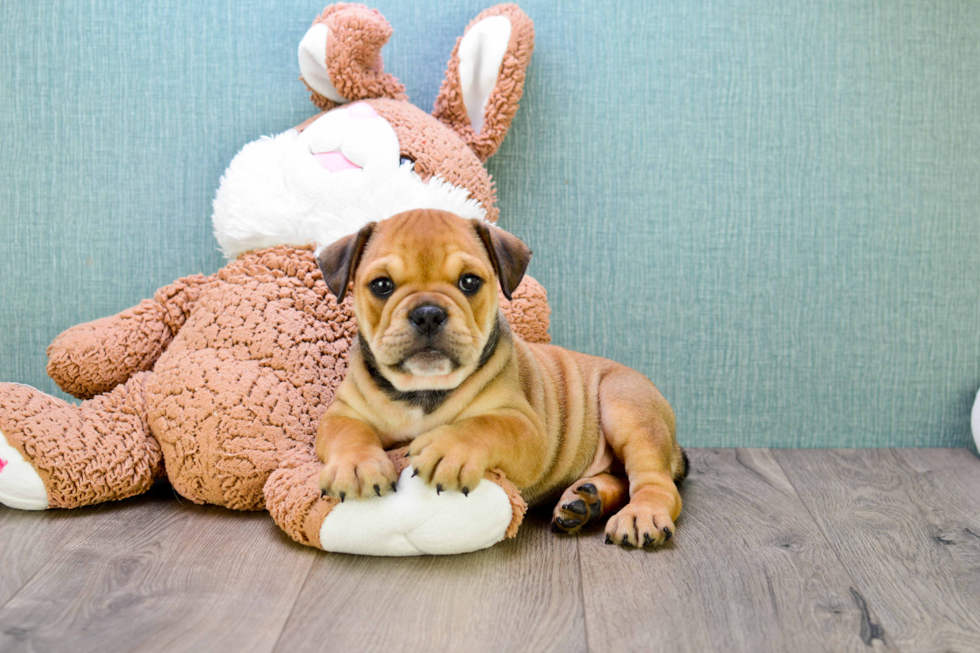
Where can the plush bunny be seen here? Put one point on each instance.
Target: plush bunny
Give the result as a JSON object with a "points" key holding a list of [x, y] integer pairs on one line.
{"points": [[219, 381]]}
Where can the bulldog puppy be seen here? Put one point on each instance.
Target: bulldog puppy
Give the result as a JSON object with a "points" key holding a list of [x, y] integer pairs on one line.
{"points": [[437, 367]]}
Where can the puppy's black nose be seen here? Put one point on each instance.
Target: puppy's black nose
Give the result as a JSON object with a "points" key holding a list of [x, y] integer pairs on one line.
{"points": [[427, 318]]}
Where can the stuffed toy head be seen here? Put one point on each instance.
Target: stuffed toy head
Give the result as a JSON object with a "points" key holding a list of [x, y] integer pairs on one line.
{"points": [[218, 382], [371, 154]]}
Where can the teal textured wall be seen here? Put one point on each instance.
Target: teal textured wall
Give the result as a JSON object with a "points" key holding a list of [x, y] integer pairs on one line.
{"points": [[769, 207]]}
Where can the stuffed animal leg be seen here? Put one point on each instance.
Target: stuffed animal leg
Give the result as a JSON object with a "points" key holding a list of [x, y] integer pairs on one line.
{"points": [[57, 455], [415, 520]]}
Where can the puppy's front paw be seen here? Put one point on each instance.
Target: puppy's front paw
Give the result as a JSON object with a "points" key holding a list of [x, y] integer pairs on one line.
{"points": [[358, 475], [445, 459], [639, 524]]}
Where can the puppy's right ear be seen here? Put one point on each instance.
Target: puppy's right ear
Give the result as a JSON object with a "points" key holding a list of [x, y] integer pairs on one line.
{"points": [[338, 261], [508, 255]]}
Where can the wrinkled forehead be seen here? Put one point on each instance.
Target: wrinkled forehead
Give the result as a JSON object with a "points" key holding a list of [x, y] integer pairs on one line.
{"points": [[427, 241]]}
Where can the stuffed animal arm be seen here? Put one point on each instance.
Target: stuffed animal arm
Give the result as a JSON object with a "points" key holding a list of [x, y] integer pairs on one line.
{"points": [[95, 357]]}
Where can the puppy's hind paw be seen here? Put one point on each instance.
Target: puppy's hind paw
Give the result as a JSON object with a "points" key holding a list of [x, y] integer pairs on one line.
{"points": [[579, 506]]}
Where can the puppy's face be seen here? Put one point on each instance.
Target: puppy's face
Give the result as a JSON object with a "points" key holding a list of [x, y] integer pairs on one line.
{"points": [[425, 293]]}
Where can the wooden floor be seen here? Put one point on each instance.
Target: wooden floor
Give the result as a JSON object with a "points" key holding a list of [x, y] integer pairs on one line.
{"points": [[777, 550]]}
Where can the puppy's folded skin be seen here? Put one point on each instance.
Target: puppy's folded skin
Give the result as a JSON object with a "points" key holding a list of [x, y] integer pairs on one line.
{"points": [[437, 367]]}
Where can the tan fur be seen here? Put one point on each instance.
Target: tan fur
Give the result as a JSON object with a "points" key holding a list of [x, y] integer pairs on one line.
{"points": [[539, 413]]}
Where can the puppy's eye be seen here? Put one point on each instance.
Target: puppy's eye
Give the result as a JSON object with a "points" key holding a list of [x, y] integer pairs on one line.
{"points": [[406, 159], [382, 286], [470, 283]]}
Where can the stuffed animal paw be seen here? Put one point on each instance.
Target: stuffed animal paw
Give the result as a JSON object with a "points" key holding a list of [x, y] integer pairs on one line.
{"points": [[21, 486], [418, 519]]}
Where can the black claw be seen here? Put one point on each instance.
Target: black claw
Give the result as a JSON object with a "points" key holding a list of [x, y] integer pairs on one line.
{"points": [[377, 489], [323, 493], [568, 523], [408, 454], [609, 539], [343, 495], [555, 528], [394, 488], [415, 473], [667, 534], [466, 492], [626, 540], [439, 488], [647, 541], [588, 488], [578, 507]]}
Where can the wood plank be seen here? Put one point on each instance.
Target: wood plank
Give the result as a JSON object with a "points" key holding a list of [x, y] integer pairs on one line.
{"points": [[519, 595], [748, 570], [904, 524], [29, 539], [158, 575]]}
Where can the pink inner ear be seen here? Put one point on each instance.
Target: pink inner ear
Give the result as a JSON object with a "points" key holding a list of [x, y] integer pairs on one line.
{"points": [[3, 463]]}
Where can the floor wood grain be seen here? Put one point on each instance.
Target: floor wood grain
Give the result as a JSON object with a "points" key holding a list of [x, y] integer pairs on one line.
{"points": [[776, 551], [152, 574], [747, 571], [905, 525], [27, 542], [521, 595]]}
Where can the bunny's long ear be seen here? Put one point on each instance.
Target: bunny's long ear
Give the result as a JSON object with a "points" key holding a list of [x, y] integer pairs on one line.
{"points": [[485, 77], [340, 57]]}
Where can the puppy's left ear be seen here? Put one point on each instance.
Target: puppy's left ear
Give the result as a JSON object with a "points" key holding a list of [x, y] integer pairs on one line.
{"points": [[508, 254], [485, 78], [338, 261]]}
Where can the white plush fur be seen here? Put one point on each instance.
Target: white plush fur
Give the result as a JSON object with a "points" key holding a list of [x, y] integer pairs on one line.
{"points": [[20, 485], [417, 521], [275, 193], [481, 52]]}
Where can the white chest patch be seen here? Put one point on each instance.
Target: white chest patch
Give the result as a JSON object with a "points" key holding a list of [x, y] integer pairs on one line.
{"points": [[426, 364]]}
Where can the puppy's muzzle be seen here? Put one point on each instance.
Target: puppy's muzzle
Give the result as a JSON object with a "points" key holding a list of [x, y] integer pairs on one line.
{"points": [[428, 319]]}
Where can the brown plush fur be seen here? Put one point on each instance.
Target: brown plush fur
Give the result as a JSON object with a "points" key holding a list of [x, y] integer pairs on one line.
{"points": [[355, 38], [86, 454], [137, 335], [234, 395], [467, 396]]}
